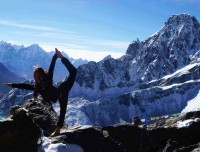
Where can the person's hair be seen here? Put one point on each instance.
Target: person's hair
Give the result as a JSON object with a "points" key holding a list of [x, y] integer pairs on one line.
{"points": [[44, 76], [41, 71]]}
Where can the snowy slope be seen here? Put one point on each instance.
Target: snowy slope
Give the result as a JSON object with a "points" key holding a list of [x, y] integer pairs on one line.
{"points": [[145, 103], [193, 105], [7, 76], [14, 97]]}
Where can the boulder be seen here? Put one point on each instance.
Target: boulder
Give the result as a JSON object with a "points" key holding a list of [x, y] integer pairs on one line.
{"points": [[19, 133], [21, 130], [42, 114], [91, 139]]}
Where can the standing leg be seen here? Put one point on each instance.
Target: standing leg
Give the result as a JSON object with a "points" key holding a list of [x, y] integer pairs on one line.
{"points": [[63, 107], [64, 89]]}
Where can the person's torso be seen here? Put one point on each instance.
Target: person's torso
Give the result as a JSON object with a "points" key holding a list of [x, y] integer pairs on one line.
{"points": [[48, 91]]}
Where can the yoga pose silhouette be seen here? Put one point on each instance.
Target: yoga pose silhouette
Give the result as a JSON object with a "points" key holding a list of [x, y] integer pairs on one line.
{"points": [[43, 84]]}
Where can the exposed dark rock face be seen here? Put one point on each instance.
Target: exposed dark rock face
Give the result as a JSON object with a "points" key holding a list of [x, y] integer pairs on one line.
{"points": [[93, 139], [20, 133], [42, 114], [132, 137], [183, 137]]}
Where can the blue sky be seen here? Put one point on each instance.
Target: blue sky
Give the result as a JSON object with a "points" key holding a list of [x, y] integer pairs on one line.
{"points": [[88, 29]]}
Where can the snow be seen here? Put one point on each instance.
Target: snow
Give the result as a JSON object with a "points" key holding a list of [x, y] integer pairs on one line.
{"points": [[179, 84], [193, 105], [181, 71], [187, 123], [48, 146]]}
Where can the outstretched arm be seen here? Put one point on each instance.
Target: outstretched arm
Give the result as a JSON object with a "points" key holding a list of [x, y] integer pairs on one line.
{"points": [[20, 86], [52, 65]]}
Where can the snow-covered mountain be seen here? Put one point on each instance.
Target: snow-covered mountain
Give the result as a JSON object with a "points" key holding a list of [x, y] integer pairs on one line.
{"points": [[7, 76], [155, 77], [14, 97], [164, 96], [21, 60], [163, 53]]}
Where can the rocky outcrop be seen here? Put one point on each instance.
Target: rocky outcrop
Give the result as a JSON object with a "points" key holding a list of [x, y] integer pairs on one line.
{"points": [[42, 113], [21, 131], [128, 138]]}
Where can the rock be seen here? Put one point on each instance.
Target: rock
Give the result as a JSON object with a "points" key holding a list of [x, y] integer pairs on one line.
{"points": [[181, 139], [136, 121], [42, 114], [197, 149], [171, 146], [132, 137], [19, 133], [119, 138], [21, 130], [191, 115], [59, 139], [92, 139]]}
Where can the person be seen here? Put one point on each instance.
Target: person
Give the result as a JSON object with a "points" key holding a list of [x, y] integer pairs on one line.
{"points": [[43, 85]]}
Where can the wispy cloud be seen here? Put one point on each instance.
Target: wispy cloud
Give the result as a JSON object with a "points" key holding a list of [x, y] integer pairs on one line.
{"points": [[79, 51], [71, 40], [78, 45], [111, 43], [32, 27]]}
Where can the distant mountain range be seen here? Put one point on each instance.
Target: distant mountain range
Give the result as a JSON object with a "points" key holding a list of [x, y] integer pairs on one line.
{"points": [[155, 77], [20, 60]]}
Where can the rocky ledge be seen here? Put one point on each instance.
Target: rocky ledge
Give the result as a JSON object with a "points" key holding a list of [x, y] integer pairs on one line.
{"points": [[22, 131]]}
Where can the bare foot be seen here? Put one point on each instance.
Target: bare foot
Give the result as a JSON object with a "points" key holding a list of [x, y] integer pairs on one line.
{"points": [[56, 132], [58, 53]]}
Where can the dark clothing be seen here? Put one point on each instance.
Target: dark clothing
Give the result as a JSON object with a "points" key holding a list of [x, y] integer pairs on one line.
{"points": [[52, 93]]}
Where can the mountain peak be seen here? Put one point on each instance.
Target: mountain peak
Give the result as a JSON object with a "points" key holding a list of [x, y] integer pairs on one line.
{"points": [[34, 46], [182, 18], [107, 57], [3, 42], [133, 47]]}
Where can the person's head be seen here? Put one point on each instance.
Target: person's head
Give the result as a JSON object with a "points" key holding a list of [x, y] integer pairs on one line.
{"points": [[39, 73]]}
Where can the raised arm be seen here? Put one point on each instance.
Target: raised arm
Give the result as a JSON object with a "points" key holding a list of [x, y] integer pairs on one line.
{"points": [[72, 70], [51, 67]]}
